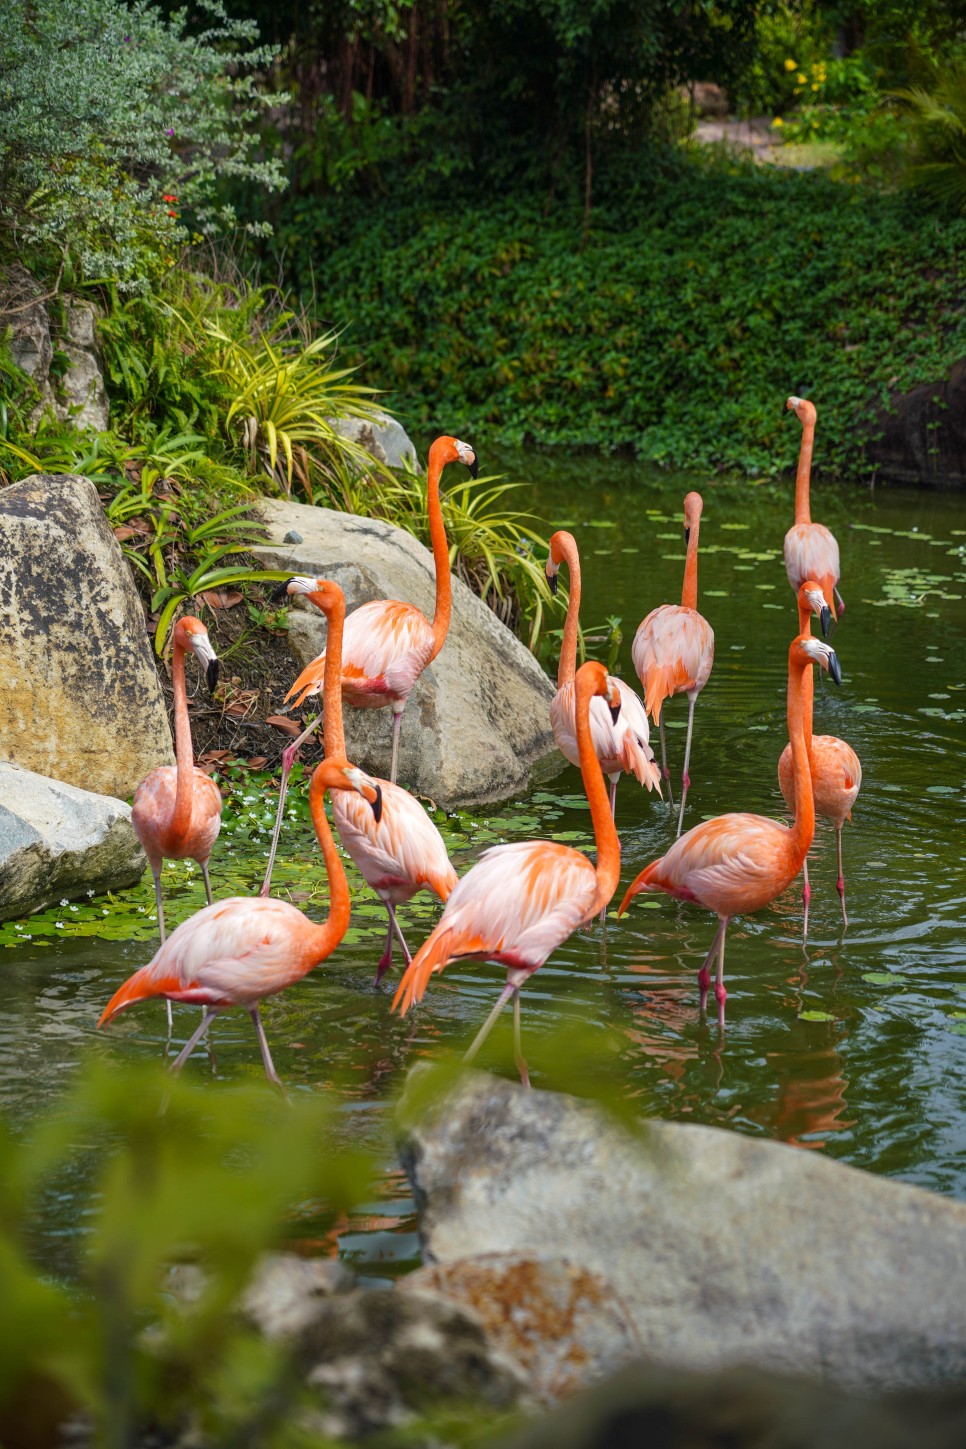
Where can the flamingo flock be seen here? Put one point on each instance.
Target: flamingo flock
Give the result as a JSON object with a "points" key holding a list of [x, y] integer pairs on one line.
{"points": [[521, 901]]}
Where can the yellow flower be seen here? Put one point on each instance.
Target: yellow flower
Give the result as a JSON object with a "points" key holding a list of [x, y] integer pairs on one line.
{"points": [[814, 85], [802, 79], [791, 64], [778, 121]]}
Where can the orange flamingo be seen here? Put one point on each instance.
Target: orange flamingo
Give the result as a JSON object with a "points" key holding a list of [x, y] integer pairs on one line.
{"points": [[835, 767], [176, 812], [621, 748], [388, 644], [738, 863], [520, 901], [242, 949], [811, 551], [402, 851], [673, 650]]}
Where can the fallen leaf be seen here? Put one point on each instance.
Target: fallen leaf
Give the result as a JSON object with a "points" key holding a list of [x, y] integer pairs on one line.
{"points": [[238, 710], [125, 531], [221, 598], [258, 762], [213, 757], [282, 722]]}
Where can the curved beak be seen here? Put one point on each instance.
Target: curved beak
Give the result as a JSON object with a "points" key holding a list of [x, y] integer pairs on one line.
{"points": [[281, 592], [474, 467], [201, 648], [376, 804], [687, 535], [552, 581], [834, 667], [825, 619], [211, 674], [368, 788]]}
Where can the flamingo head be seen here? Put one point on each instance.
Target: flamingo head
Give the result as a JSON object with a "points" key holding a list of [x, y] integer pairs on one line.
{"points": [[190, 633], [450, 450], [693, 506], [323, 593], [592, 678], [810, 596], [340, 775], [562, 546], [816, 651], [803, 409]]}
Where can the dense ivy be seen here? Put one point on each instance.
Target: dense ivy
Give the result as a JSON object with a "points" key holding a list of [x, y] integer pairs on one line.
{"points": [[699, 301]]}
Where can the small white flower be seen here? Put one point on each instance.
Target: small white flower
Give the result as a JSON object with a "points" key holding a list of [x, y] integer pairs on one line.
{"points": [[75, 908], [59, 925], [104, 911], [141, 909], [64, 901], [89, 894]]}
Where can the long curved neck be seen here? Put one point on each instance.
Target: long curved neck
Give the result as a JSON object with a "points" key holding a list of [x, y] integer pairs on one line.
{"points": [[333, 736], [802, 508], [808, 683], [184, 793], [567, 667], [437, 534], [804, 826], [330, 933], [689, 594], [608, 868]]}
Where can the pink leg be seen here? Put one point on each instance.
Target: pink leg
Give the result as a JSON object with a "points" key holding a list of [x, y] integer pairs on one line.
{"points": [[685, 777], [385, 960], [613, 811], [665, 772], [267, 1062], [193, 1040], [806, 897], [704, 975], [288, 760], [488, 1025], [396, 724], [840, 883], [720, 995], [518, 1056], [839, 601], [160, 908]]}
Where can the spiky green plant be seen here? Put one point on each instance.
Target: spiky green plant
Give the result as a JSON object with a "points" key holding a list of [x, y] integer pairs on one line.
{"points": [[938, 114]]}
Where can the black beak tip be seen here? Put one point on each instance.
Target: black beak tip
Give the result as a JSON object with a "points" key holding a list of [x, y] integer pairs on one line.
{"points": [[825, 619], [280, 592], [377, 805], [474, 467], [212, 675], [552, 581], [615, 712], [834, 667]]}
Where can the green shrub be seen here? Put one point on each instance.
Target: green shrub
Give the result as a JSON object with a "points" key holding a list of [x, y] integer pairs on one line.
{"points": [[936, 163]]}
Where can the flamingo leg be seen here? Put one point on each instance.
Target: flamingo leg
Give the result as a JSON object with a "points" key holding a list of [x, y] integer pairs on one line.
{"points": [[394, 920], [288, 760], [720, 994], [806, 897], [613, 811], [160, 908], [704, 975], [193, 1040], [840, 883], [267, 1062], [840, 602], [488, 1025], [685, 778], [518, 1056], [385, 960], [665, 772], [204, 872], [396, 725]]}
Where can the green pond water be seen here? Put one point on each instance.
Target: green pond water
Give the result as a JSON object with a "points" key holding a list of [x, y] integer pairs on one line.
{"points": [[856, 1048]]}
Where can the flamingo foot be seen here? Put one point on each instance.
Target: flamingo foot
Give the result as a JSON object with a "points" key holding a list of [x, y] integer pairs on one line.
{"points": [[840, 887], [385, 961], [720, 996], [288, 756]]}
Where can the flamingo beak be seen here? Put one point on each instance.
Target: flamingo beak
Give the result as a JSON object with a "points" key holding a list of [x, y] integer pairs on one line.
{"points": [[211, 674], [687, 535], [280, 592], [825, 619], [552, 581], [834, 667], [377, 804], [474, 467]]}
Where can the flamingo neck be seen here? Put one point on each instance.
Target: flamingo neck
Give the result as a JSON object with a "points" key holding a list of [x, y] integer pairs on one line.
{"points": [[437, 534], [804, 825], [333, 736], [327, 936], [689, 593], [803, 513], [184, 792], [567, 667], [808, 682], [608, 868]]}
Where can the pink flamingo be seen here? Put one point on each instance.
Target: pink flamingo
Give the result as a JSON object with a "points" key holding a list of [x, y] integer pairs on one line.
{"points": [[673, 650], [835, 767], [400, 852], [388, 644], [242, 949], [738, 863], [811, 551], [520, 901], [621, 748], [176, 812]]}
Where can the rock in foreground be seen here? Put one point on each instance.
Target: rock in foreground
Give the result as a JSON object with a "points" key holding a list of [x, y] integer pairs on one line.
{"points": [[57, 841], [79, 694], [723, 1249], [478, 718]]}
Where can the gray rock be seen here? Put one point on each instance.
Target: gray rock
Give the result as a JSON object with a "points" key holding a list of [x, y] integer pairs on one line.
{"points": [[284, 1293], [292, 537], [79, 694], [57, 841], [724, 1249], [562, 1325], [85, 402], [80, 398], [478, 718], [386, 440], [23, 311]]}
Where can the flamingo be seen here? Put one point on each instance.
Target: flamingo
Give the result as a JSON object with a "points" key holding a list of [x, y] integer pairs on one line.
{"points": [[621, 748], [740, 862], [835, 767], [388, 644], [176, 811], [397, 854], [673, 649], [242, 949], [520, 901], [811, 551]]}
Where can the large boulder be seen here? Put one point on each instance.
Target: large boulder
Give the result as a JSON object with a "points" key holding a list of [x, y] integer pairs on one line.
{"points": [[79, 694], [59, 842], [382, 437], [723, 1249], [921, 436], [478, 718]]}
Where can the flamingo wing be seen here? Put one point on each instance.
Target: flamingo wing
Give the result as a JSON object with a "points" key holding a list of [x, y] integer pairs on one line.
{"points": [[401, 852], [385, 647], [621, 747], [734, 863], [811, 552], [673, 652], [515, 906]]}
